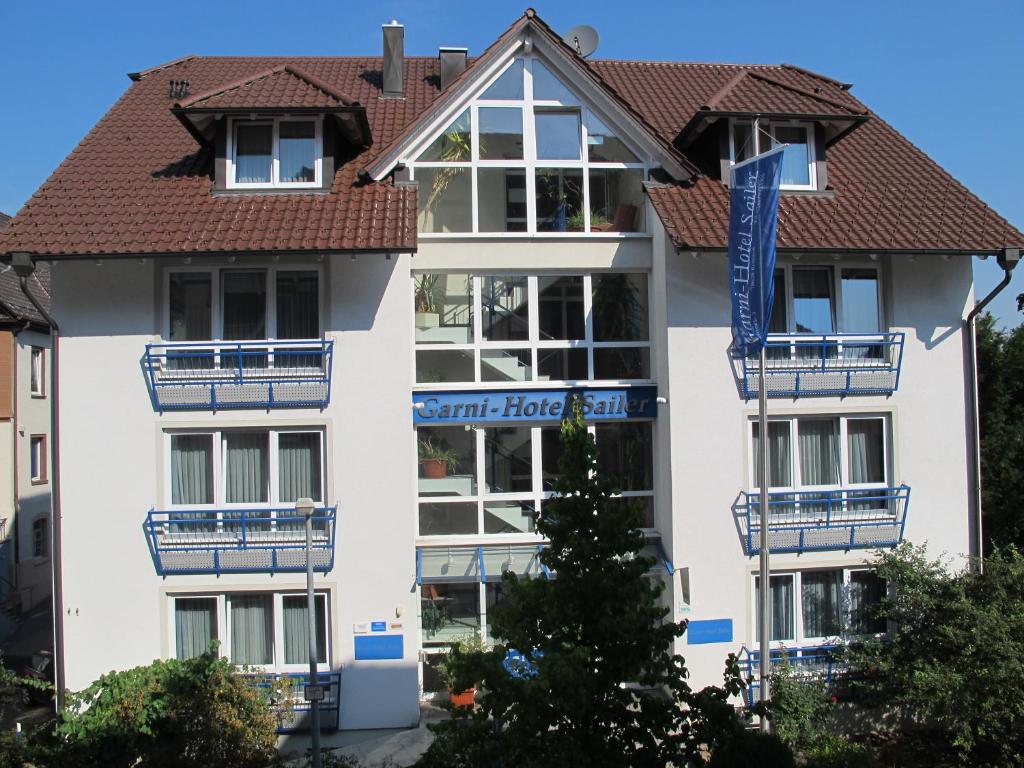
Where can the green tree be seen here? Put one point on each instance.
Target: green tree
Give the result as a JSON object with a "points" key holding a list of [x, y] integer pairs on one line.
{"points": [[603, 687], [1001, 424], [948, 673]]}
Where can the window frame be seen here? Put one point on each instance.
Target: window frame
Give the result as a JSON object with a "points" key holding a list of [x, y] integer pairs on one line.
{"points": [[275, 163], [769, 126], [41, 538], [799, 639], [37, 371], [836, 283], [38, 470], [530, 164]]}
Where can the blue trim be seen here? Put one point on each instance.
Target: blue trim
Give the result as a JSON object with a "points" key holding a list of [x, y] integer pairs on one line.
{"points": [[419, 567], [481, 568], [709, 631], [837, 516], [291, 718], [201, 376], [811, 664], [379, 647], [186, 541], [543, 568], [664, 558], [798, 363]]}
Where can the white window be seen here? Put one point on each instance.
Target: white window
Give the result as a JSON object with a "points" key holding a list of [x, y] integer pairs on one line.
{"points": [[280, 152], [519, 328], [37, 452], [815, 607], [243, 304], [40, 537], [245, 468], [38, 372], [528, 156], [493, 480], [824, 299], [266, 630], [798, 161]]}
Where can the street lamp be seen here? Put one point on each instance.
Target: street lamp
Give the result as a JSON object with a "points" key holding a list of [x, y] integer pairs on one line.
{"points": [[313, 693]]}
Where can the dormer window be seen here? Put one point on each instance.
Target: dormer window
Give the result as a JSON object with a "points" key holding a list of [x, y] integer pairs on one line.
{"points": [[798, 161], [278, 152]]}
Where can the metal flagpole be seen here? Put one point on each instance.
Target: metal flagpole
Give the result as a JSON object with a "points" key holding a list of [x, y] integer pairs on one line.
{"points": [[764, 594]]}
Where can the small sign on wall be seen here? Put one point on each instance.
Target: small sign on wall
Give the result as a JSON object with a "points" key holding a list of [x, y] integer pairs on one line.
{"points": [[378, 626]]}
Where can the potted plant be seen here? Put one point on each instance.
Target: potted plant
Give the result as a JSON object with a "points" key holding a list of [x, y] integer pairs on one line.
{"points": [[464, 646], [428, 312], [436, 460]]}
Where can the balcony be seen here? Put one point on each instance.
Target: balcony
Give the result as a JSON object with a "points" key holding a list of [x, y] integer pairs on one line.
{"points": [[293, 714], [816, 664], [807, 365], [186, 541], [191, 376], [818, 521]]}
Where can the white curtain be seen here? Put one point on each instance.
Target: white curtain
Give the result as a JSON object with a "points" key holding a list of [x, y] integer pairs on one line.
{"points": [[782, 614], [195, 625], [252, 629], [246, 477], [867, 453], [298, 457], [296, 630], [822, 603], [297, 150], [819, 451], [253, 152], [192, 469], [780, 473]]}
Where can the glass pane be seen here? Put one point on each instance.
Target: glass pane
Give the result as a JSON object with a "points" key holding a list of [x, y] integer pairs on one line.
{"points": [[447, 458], [501, 199], [778, 322], [452, 146], [620, 307], [252, 629], [506, 365], [495, 593], [625, 453], [860, 301], [444, 309], [509, 86], [616, 199], [245, 304], [505, 308], [508, 516], [299, 466], [442, 366], [501, 133], [433, 680], [550, 455], [547, 87], [445, 203], [298, 305], [821, 597], [297, 151], [438, 519], [449, 611], [191, 469], [783, 616], [508, 465], [743, 145], [603, 146], [561, 308], [866, 446], [616, 363], [295, 611], [779, 473], [246, 476], [867, 590], [559, 200], [562, 365], [796, 169], [819, 451], [253, 153], [195, 625], [190, 297], [557, 135], [812, 300]]}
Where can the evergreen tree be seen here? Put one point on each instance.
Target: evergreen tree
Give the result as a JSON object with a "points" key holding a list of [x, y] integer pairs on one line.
{"points": [[600, 685]]}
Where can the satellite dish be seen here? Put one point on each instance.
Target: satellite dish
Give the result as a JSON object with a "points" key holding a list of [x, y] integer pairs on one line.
{"points": [[582, 39]]}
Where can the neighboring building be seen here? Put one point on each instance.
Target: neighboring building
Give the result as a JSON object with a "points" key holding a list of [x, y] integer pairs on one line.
{"points": [[243, 324], [25, 567]]}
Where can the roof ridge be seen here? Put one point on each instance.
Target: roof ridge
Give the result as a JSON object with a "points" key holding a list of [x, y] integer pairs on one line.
{"points": [[135, 76], [192, 100], [319, 84], [724, 91], [817, 75], [804, 92]]}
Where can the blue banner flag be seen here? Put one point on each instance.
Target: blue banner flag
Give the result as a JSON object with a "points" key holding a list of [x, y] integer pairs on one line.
{"points": [[753, 214]]}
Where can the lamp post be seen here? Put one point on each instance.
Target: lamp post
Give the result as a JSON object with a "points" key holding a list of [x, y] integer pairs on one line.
{"points": [[313, 693]]}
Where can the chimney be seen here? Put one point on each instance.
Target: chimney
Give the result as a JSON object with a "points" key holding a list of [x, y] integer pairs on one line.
{"points": [[394, 59], [453, 64]]}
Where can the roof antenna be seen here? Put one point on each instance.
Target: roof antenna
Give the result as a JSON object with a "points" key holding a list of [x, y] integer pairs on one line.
{"points": [[583, 39]]}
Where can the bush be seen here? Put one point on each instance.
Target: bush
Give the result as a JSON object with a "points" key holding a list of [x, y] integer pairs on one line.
{"points": [[837, 752], [799, 710], [752, 749]]}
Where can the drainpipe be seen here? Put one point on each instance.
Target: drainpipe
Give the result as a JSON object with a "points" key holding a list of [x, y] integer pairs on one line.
{"points": [[1007, 260], [24, 266]]}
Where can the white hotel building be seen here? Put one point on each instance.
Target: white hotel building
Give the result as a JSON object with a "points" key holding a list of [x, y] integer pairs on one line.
{"points": [[374, 281]]}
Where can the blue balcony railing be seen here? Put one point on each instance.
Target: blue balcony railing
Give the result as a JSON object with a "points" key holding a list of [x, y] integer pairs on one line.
{"points": [[838, 364], [809, 521], [815, 664], [198, 376], [293, 713], [230, 540]]}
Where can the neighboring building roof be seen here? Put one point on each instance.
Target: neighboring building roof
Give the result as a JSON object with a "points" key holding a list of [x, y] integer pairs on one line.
{"points": [[140, 183]]}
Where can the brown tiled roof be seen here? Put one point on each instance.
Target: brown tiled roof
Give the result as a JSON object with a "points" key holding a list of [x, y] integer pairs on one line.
{"points": [[139, 183], [14, 304]]}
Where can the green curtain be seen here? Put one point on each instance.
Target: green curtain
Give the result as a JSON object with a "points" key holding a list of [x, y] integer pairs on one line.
{"points": [[192, 469], [195, 625], [299, 473], [252, 629], [296, 630], [247, 460]]}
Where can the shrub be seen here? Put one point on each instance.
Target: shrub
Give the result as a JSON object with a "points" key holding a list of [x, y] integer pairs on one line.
{"points": [[752, 749], [800, 708]]}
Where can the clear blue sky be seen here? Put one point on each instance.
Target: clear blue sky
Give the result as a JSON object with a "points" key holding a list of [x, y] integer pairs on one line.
{"points": [[949, 74]]}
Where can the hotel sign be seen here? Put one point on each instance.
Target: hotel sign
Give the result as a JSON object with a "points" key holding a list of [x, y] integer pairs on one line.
{"points": [[489, 406]]}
